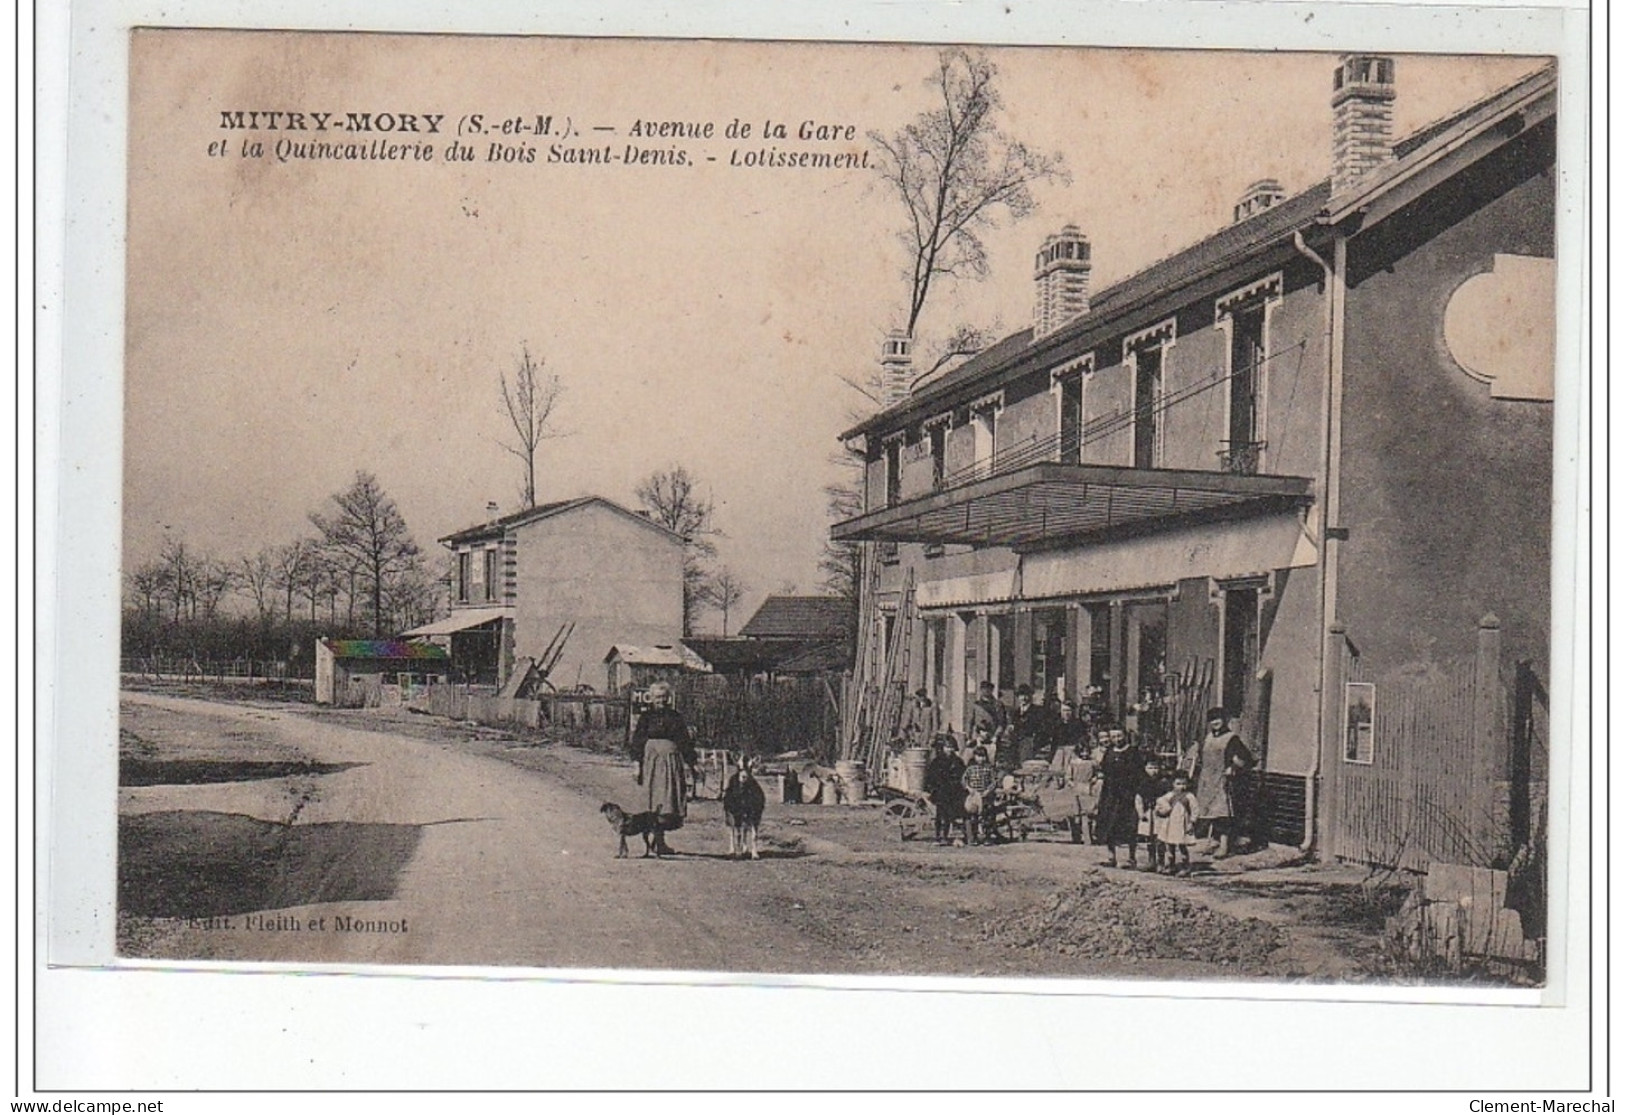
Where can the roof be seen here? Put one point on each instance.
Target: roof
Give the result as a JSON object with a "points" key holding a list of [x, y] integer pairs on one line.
{"points": [[732, 653], [497, 527], [658, 655], [1229, 245], [461, 619], [816, 658], [384, 648], [799, 617]]}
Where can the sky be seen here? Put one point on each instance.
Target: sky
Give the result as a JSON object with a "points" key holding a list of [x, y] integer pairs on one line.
{"points": [[291, 323]]}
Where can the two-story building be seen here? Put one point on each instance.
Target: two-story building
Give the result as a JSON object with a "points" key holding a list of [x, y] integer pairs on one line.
{"points": [[606, 574], [1312, 447]]}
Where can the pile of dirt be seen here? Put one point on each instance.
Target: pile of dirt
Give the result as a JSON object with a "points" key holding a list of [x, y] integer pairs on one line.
{"points": [[1102, 919]]}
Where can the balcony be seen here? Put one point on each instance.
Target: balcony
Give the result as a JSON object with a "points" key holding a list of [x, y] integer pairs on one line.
{"points": [[1242, 458], [1029, 504]]}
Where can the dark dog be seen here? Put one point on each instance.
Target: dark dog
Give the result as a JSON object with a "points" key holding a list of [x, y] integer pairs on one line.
{"points": [[646, 825], [742, 805]]}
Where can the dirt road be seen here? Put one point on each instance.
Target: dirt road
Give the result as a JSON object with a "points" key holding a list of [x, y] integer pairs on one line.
{"points": [[266, 833]]}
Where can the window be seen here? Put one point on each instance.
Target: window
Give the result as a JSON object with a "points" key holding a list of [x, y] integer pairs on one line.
{"points": [[985, 424], [894, 472], [1243, 447], [464, 560], [1359, 722], [938, 435], [1071, 386], [491, 574], [1244, 316], [1147, 406]]}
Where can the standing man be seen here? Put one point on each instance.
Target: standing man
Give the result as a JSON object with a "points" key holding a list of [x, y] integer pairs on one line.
{"points": [[1032, 731], [987, 713], [921, 724]]}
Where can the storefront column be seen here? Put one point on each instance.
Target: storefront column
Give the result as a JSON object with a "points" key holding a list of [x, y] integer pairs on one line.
{"points": [[1024, 646], [1117, 700], [1078, 644]]}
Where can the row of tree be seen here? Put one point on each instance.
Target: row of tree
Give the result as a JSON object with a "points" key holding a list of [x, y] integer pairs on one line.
{"points": [[359, 573]]}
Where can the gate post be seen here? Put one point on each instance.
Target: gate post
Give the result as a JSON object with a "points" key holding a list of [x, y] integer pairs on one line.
{"points": [[1489, 745], [1325, 795]]}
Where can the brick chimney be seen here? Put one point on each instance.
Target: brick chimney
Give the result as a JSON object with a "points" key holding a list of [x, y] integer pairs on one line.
{"points": [[896, 367], [1259, 197], [1362, 118], [1061, 276]]}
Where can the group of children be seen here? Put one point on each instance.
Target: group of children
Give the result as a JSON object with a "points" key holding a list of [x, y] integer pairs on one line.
{"points": [[1167, 819]]}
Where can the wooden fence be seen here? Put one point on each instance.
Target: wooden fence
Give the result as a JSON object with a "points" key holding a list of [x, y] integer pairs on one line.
{"points": [[761, 716], [562, 710], [1428, 768]]}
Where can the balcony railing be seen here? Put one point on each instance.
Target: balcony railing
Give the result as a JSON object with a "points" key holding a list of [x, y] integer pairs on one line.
{"points": [[1066, 446], [1242, 457]]}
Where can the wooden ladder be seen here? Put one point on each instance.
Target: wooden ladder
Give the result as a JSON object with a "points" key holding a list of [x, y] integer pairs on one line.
{"points": [[888, 704]]}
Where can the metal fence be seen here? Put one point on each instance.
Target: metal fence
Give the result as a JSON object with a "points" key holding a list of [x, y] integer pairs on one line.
{"points": [[195, 669]]}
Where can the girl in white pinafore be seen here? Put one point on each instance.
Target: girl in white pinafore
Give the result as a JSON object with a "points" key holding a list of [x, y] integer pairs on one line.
{"points": [[1175, 824]]}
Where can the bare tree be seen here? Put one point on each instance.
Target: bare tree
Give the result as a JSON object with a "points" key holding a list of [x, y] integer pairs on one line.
{"points": [[292, 561], [965, 341], [842, 562], [147, 587], [213, 581], [956, 174], [723, 591], [366, 530], [529, 403], [257, 575], [672, 498]]}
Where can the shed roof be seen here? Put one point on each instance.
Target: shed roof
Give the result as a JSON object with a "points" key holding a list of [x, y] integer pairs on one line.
{"points": [[798, 617], [384, 648], [660, 654]]}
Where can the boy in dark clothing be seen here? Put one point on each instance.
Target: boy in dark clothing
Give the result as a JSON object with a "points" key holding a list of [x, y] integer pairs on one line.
{"points": [[944, 776]]}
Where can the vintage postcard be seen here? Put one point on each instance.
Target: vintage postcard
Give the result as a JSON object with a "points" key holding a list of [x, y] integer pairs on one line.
{"points": [[838, 509]]}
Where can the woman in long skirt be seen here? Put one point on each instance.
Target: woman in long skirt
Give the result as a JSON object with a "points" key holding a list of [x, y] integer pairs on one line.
{"points": [[1221, 760], [665, 754]]}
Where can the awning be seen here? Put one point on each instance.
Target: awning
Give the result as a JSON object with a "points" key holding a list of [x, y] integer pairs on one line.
{"points": [[1219, 551], [1052, 501], [460, 621]]}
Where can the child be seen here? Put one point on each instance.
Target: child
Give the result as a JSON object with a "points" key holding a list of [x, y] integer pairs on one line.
{"points": [[1150, 789], [1176, 820], [980, 782]]}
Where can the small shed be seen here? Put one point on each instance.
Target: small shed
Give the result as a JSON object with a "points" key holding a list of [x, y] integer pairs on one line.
{"points": [[640, 666], [366, 673]]}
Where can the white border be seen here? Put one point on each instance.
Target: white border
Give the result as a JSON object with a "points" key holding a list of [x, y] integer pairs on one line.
{"points": [[498, 1029]]}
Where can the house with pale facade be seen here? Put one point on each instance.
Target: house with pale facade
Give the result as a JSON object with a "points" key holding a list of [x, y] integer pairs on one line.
{"points": [[1301, 469], [597, 572]]}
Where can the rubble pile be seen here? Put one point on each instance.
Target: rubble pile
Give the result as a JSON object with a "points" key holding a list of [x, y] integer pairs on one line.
{"points": [[1101, 919]]}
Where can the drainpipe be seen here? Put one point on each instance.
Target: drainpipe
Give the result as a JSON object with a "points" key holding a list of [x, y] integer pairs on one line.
{"points": [[1326, 498]]}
